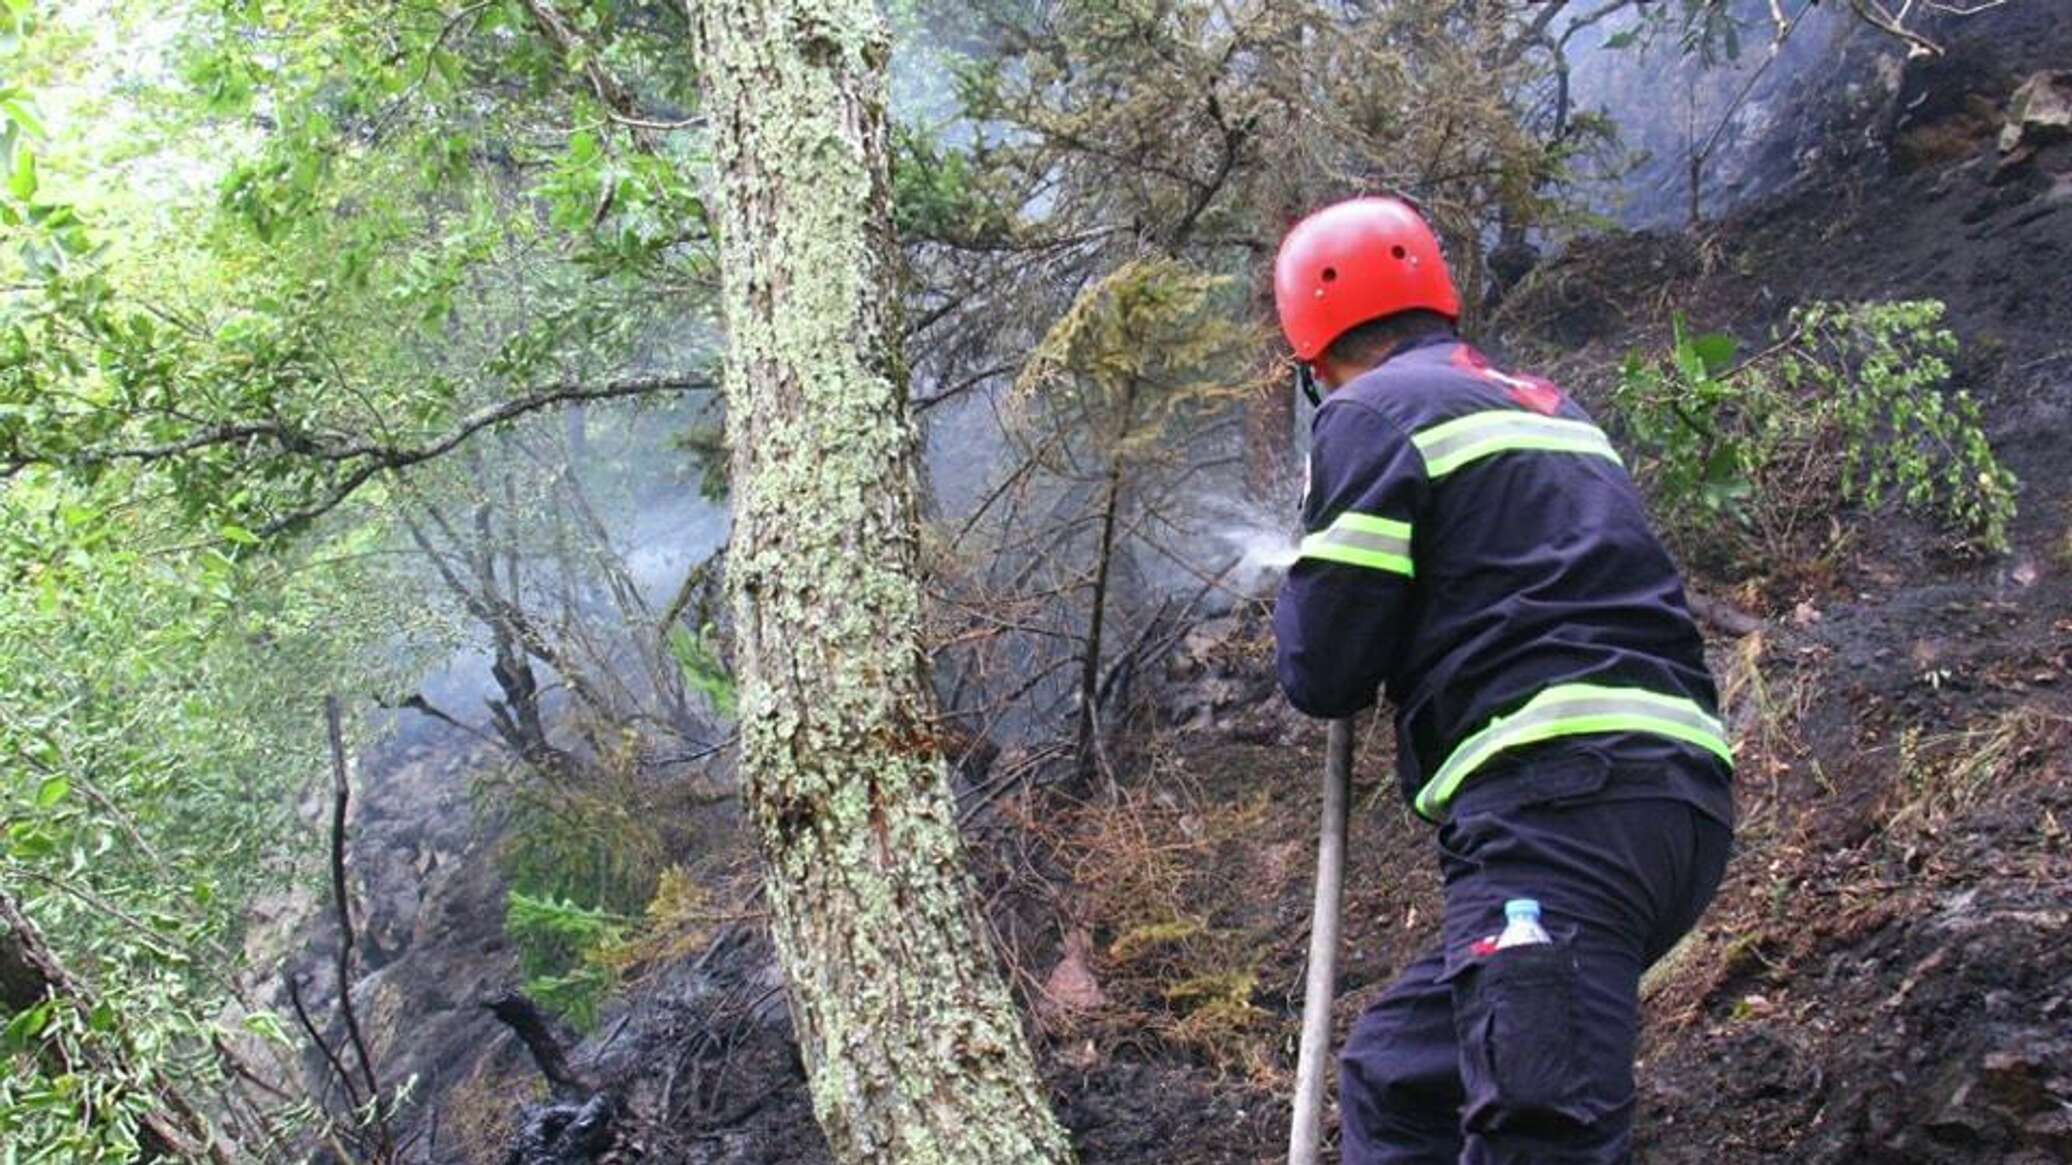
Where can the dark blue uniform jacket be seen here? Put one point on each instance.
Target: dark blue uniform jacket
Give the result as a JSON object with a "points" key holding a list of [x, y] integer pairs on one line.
{"points": [[1474, 548]]}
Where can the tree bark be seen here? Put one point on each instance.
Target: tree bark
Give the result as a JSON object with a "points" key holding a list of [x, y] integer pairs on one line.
{"points": [[909, 1037], [549, 1053]]}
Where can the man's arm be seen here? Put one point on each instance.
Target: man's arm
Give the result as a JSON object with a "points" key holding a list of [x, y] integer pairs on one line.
{"points": [[1337, 623]]}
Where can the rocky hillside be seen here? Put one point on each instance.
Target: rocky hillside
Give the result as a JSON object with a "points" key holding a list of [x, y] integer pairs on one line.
{"points": [[1884, 976]]}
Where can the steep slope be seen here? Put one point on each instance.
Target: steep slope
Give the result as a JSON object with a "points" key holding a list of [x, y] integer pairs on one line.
{"points": [[1883, 977]]}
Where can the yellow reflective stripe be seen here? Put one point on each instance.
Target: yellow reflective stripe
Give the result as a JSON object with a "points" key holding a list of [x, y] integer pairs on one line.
{"points": [[1574, 710], [1358, 539], [1449, 446], [1370, 524]]}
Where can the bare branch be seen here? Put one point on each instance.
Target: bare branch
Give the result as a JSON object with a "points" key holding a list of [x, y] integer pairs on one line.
{"points": [[341, 791], [1876, 15], [367, 457], [381, 458], [962, 387], [549, 1053]]}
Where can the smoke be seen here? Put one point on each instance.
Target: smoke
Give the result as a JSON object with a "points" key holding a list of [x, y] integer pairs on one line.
{"points": [[589, 520], [1742, 103]]}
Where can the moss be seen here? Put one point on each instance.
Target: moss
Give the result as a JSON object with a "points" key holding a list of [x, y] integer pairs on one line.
{"points": [[1140, 940]]}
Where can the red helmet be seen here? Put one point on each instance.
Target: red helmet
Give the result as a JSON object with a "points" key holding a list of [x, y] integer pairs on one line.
{"points": [[1355, 261]]}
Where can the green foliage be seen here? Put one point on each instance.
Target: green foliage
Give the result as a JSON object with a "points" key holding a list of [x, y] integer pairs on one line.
{"points": [[157, 716], [1704, 29], [583, 862], [561, 949], [212, 321], [1703, 434], [599, 845], [1198, 130], [939, 193], [1849, 405], [704, 672], [1140, 354], [1903, 434], [336, 307], [71, 1116]]}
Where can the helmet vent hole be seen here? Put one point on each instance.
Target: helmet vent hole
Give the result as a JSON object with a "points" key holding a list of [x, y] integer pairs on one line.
{"points": [[1330, 274], [1398, 251]]}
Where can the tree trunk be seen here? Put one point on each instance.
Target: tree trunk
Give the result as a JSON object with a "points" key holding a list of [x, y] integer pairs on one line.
{"points": [[908, 1034]]}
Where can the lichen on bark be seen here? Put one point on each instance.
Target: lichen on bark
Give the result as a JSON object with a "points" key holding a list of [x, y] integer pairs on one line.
{"points": [[910, 1039]]}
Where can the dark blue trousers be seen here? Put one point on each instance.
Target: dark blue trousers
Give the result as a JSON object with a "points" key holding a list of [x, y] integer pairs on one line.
{"points": [[1526, 1054]]}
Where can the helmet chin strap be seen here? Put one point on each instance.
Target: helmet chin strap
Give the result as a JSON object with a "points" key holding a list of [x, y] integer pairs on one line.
{"points": [[1306, 380]]}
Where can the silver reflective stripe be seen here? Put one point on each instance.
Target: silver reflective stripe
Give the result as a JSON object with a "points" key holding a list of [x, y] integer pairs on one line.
{"points": [[1573, 710], [1363, 540], [1449, 446]]}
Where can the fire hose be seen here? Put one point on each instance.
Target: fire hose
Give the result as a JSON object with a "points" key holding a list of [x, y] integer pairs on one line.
{"points": [[1306, 1130]]}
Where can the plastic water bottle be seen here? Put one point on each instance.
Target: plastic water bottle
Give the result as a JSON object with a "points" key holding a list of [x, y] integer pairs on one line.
{"points": [[1522, 924]]}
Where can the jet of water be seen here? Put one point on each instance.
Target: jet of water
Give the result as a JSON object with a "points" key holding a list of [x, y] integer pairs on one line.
{"points": [[1261, 549]]}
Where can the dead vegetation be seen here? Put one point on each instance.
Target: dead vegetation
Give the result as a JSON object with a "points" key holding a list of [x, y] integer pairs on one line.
{"points": [[479, 1116], [1173, 890]]}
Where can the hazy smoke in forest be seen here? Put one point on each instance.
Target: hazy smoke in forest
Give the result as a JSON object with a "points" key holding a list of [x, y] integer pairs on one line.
{"points": [[1666, 103], [1662, 102]]}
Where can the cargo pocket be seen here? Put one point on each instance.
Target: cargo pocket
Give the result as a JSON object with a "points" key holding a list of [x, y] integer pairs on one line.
{"points": [[1515, 1012]]}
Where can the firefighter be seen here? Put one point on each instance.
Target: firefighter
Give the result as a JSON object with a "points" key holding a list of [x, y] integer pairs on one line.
{"points": [[1475, 550]]}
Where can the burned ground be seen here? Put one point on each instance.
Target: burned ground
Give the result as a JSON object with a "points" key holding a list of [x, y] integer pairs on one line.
{"points": [[1883, 977]]}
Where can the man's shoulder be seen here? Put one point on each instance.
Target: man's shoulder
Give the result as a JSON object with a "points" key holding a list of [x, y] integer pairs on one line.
{"points": [[1432, 385]]}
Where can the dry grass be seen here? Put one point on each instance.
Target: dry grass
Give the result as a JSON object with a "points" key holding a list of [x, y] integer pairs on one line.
{"points": [[480, 1114], [1177, 891], [1945, 776], [1764, 702], [676, 924], [1930, 790]]}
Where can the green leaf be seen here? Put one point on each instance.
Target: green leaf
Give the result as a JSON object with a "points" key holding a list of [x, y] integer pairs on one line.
{"points": [[52, 791], [239, 535], [20, 114], [30, 843], [266, 1026], [24, 1028], [22, 183], [1716, 350]]}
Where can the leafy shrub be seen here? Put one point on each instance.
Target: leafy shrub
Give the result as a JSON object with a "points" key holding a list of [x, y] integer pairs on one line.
{"points": [[1850, 404], [600, 845], [559, 953], [582, 861], [704, 672]]}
